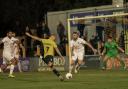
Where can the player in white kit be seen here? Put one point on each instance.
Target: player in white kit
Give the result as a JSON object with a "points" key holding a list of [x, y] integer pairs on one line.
{"points": [[8, 57], [77, 48]]}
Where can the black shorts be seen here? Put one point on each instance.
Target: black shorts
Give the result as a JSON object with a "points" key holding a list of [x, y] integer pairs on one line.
{"points": [[48, 58]]}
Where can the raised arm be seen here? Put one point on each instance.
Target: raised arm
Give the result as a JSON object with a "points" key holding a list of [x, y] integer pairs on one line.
{"points": [[33, 37]]}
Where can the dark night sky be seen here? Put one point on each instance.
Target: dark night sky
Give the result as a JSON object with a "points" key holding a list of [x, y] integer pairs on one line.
{"points": [[32, 11]]}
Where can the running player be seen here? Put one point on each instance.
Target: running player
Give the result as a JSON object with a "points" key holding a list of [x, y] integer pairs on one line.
{"points": [[49, 46], [8, 57], [111, 50], [77, 48]]}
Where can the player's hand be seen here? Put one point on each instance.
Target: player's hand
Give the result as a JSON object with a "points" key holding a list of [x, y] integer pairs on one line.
{"points": [[95, 51], [62, 58], [102, 54], [28, 34]]}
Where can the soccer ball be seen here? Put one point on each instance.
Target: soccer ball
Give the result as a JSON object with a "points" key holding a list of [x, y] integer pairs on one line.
{"points": [[68, 75]]}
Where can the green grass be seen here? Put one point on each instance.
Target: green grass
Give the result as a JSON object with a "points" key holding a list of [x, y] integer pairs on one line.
{"points": [[86, 79]]}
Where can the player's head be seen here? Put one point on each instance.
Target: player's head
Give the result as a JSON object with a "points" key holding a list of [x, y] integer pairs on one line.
{"points": [[75, 35], [52, 37], [13, 34], [109, 39], [9, 34]]}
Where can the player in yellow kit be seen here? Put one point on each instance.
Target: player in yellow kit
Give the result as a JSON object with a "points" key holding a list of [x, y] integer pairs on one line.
{"points": [[49, 46]]}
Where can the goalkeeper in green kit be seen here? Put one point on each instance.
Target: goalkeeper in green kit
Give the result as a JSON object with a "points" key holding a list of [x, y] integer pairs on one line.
{"points": [[111, 51]]}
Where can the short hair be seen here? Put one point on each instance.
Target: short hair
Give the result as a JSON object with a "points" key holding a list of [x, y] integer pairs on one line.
{"points": [[9, 31], [76, 33], [109, 37]]}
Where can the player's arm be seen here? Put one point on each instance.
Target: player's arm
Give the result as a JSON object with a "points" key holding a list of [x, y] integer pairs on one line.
{"points": [[119, 48], [104, 51], [59, 53], [90, 46], [33, 37], [2, 41]]}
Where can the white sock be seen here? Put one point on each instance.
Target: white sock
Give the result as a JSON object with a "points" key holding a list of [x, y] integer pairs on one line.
{"points": [[77, 66], [70, 70], [19, 67], [8, 67], [0, 70], [11, 69]]}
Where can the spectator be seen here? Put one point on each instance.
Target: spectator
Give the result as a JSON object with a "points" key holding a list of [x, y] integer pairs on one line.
{"points": [[38, 28], [94, 41], [18, 28], [43, 30], [100, 47], [99, 30], [63, 45], [60, 31], [80, 27]]}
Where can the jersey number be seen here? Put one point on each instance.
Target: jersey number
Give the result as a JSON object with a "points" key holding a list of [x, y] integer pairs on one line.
{"points": [[47, 48]]}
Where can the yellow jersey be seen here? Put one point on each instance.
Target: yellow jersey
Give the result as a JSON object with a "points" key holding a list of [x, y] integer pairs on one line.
{"points": [[49, 46]]}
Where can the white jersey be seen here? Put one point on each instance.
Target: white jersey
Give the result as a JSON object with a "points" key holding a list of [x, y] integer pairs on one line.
{"points": [[78, 45], [8, 44], [8, 52]]}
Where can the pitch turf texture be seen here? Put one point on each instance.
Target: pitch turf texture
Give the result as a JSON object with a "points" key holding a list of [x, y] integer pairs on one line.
{"points": [[86, 79]]}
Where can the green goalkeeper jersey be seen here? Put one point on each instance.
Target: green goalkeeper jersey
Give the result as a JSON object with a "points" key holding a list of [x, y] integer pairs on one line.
{"points": [[111, 49]]}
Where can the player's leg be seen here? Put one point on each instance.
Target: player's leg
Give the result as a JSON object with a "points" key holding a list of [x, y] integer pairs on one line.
{"points": [[80, 61], [126, 63], [102, 65], [4, 64], [109, 63], [120, 60], [18, 63], [12, 63], [49, 61], [77, 66], [1, 70], [72, 63], [19, 66], [3, 67], [71, 66], [105, 61]]}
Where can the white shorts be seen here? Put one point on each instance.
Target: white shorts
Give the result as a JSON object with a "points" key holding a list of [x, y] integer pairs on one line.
{"points": [[78, 55], [7, 57]]}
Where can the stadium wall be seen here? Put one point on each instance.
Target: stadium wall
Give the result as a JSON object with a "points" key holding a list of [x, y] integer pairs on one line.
{"points": [[36, 64]]}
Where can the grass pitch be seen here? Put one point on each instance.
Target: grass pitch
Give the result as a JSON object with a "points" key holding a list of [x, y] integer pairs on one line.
{"points": [[86, 79]]}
